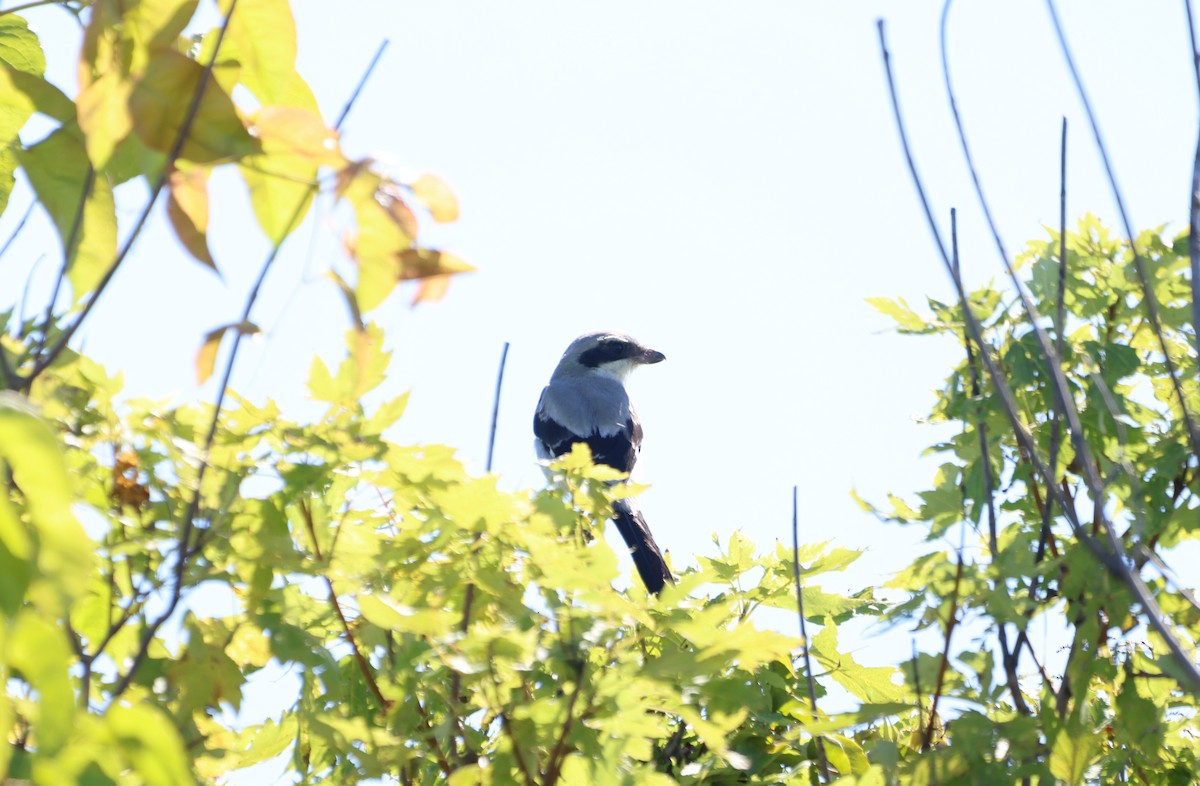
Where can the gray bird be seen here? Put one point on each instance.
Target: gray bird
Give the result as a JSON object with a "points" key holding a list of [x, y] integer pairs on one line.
{"points": [[586, 402]]}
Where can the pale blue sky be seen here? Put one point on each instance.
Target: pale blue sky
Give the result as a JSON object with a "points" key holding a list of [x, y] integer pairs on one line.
{"points": [[723, 181]]}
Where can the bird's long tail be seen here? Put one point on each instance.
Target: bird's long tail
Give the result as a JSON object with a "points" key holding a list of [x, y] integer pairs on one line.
{"points": [[646, 557]]}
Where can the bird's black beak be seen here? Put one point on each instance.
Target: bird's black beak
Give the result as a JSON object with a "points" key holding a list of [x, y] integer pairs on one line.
{"points": [[652, 356]]}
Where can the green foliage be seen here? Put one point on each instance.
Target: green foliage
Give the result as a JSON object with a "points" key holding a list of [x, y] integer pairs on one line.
{"points": [[1111, 708], [440, 627]]}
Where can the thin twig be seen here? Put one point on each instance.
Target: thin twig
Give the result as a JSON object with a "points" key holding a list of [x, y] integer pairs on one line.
{"points": [[1194, 213], [193, 507], [469, 592], [1060, 329], [49, 356], [72, 241], [558, 754], [822, 761], [33, 4], [17, 230], [1139, 264], [1007, 654], [917, 685], [506, 725], [951, 622], [491, 447], [1111, 556]]}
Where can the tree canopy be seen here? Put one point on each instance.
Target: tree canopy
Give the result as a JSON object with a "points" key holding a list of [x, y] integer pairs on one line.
{"points": [[442, 629]]}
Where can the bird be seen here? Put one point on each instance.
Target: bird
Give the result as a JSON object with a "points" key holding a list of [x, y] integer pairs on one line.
{"points": [[586, 402]]}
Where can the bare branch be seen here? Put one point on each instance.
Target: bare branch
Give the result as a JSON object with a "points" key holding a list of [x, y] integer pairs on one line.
{"points": [[1008, 656], [1139, 264], [1194, 212], [72, 241], [1111, 557], [808, 670], [951, 622]]}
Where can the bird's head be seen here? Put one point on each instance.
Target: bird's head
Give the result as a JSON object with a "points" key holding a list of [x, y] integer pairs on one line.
{"points": [[608, 353]]}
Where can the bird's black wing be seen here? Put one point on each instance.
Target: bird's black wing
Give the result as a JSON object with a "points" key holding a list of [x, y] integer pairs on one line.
{"points": [[618, 450]]}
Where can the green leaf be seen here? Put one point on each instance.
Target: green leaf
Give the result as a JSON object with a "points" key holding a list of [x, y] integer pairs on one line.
{"points": [[60, 172], [377, 241], [268, 62], [16, 559], [866, 683], [31, 451], [8, 166], [37, 649], [1072, 754], [906, 319], [282, 179], [104, 114], [148, 739], [19, 46], [160, 102]]}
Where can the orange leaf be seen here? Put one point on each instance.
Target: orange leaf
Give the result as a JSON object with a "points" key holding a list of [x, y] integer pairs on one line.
{"points": [[400, 212], [206, 358], [298, 132], [425, 262], [437, 197], [187, 208], [431, 289]]}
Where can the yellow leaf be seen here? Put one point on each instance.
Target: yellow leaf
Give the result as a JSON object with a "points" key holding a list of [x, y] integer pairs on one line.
{"points": [[103, 108], [437, 197], [206, 358], [400, 212], [377, 239], [187, 208], [282, 179], [262, 36]]}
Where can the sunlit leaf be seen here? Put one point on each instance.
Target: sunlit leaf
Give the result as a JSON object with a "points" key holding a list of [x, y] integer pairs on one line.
{"points": [[867, 683], [148, 739], [60, 173], [1072, 754], [268, 62], [19, 46], [206, 358], [436, 196], [187, 209], [431, 289], [425, 262], [399, 210], [160, 102], [38, 650], [104, 114], [282, 178]]}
